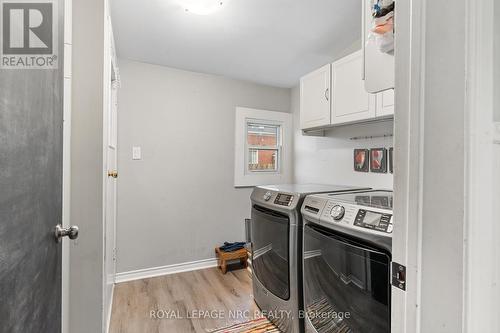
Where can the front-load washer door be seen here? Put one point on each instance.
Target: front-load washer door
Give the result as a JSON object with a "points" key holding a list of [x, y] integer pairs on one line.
{"points": [[270, 250], [346, 284]]}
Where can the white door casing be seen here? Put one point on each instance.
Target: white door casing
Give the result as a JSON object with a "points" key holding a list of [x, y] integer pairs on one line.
{"points": [[408, 162]]}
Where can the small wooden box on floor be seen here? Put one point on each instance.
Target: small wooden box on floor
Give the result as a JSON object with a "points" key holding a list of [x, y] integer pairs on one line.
{"points": [[223, 258]]}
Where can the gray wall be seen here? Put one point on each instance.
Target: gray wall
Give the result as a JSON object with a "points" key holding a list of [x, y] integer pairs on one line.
{"points": [[178, 202], [86, 254]]}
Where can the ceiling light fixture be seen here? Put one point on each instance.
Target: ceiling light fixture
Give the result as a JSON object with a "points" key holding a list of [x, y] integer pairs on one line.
{"points": [[202, 7]]}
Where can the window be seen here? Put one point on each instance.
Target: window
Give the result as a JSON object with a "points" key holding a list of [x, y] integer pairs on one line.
{"points": [[262, 147]]}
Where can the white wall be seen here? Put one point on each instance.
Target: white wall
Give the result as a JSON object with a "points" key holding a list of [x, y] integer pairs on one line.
{"points": [[329, 159], [178, 202], [443, 168]]}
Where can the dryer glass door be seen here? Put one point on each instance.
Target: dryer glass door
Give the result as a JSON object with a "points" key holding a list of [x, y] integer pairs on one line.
{"points": [[346, 284], [270, 250]]}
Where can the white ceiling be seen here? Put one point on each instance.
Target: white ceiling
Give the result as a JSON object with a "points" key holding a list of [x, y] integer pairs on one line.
{"points": [[271, 42]]}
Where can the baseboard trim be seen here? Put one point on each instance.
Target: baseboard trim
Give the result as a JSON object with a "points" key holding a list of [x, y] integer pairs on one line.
{"points": [[165, 270]]}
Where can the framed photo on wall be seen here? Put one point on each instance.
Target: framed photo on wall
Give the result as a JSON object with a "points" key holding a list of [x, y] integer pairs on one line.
{"points": [[361, 160], [378, 160]]}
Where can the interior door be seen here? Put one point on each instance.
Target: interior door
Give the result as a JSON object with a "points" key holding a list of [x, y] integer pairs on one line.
{"points": [[31, 161], [315, 96], [110, 221]]}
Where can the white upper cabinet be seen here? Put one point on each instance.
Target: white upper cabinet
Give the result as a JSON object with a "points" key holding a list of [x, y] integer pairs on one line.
{"points": [[385, 103], [315, 97], [350, 101], [335, 94]]}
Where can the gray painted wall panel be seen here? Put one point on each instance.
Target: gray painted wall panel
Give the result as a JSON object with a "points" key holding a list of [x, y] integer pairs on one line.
{"points": [[31, 114], [86, 254]]}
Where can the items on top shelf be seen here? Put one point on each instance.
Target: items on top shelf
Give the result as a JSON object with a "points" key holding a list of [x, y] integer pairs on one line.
{"points": [[378, 45], [381, 31]]}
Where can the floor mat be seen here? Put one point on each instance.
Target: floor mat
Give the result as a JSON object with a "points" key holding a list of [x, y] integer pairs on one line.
{"points": [[260, 325], [323, 322]]}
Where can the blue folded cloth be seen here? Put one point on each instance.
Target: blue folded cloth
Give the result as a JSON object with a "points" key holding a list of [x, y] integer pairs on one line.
{"points": [[231, 247]]}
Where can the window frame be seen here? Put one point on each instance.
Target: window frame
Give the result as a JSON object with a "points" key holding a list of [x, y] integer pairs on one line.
{"points": [[278, 147], [243, 177]]}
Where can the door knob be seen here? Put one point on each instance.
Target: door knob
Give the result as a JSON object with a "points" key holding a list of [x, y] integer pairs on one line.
{"points": [[113, 174], [60, 232]]}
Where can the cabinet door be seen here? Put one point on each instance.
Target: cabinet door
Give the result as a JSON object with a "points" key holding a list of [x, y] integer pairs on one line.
{"points": [[315, 98], [385, 103], [351, 102]]}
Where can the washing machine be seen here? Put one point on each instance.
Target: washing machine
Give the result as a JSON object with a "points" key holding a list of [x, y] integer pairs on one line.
{"points": [[276, 237], [347, 252]]}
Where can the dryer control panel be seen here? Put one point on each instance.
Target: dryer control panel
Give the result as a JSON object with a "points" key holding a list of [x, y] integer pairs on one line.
{"points": [[373, 220], [358, 217], [368, 212], [364, 215]]}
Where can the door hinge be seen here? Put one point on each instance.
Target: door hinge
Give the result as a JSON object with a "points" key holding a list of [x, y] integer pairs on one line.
{"points": [[398, 276]]}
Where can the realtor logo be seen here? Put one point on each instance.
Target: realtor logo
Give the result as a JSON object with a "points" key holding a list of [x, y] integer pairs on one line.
{"points": [[28, 34]]}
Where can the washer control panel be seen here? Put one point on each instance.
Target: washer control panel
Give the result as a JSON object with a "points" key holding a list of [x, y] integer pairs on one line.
{"points": [[283, 199]]}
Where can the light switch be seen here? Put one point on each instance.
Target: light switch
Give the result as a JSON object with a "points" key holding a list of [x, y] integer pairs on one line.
{"points": [[136, 153]]}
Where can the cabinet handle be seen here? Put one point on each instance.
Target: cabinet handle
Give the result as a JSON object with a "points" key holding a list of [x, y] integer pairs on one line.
{"points": [[327, 92]]}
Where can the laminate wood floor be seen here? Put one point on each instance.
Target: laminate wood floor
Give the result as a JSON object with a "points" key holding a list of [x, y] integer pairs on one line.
{"points": [[194, 301]]}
